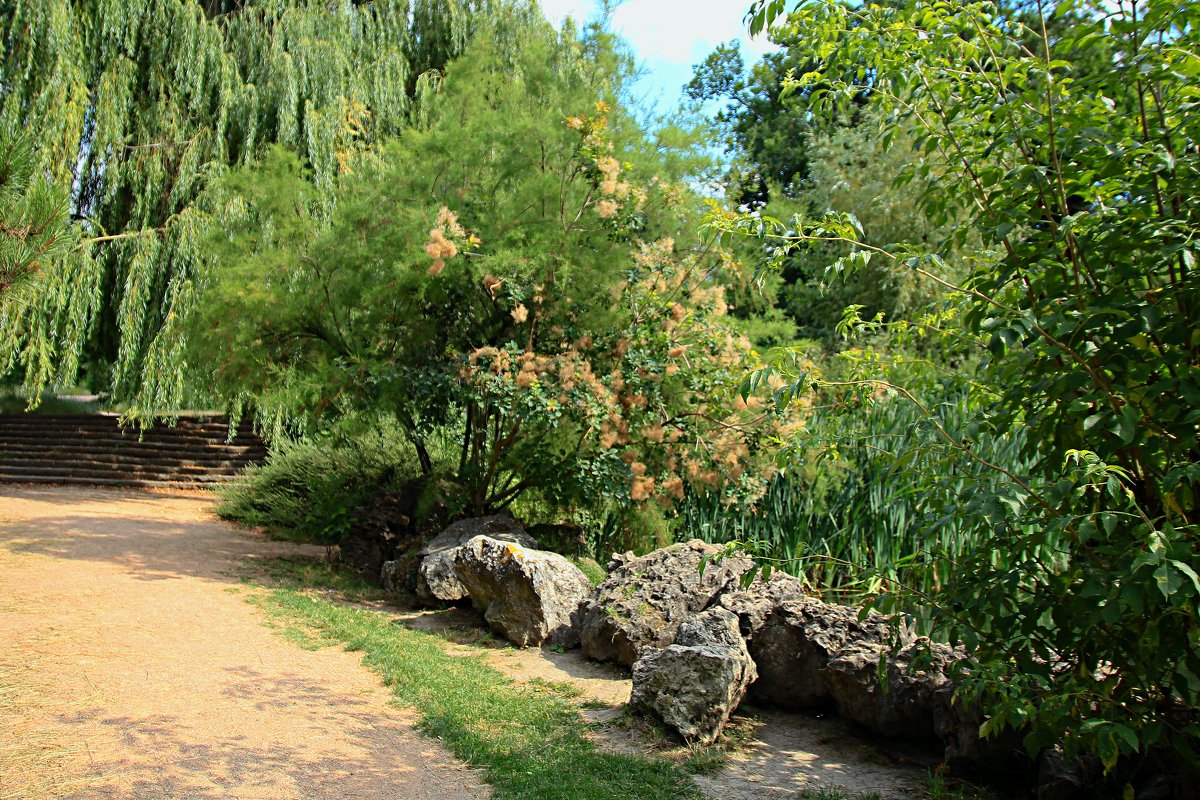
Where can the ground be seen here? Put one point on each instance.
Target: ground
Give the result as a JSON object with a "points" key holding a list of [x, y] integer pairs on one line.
{"points": [[132, 667], [136, 670]]}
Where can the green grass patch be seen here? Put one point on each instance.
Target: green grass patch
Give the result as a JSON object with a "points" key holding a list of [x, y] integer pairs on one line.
{"points": [[589, 567], [527, 738], [305, 572]]}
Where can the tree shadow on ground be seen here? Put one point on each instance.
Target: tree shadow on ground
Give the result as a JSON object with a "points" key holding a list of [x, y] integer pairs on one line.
{"points": [[149, 536], [167, 757]]}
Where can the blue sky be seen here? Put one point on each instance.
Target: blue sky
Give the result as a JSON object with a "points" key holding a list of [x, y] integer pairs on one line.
{"points": [[669, 37]]}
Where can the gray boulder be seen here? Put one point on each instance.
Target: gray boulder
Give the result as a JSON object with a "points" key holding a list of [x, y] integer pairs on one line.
{"points": [[527, 596], [389, 576], [797, 641], [694, 684], [642, 603], [893, 693], [754, 603], [436, 578], [793, 638]]}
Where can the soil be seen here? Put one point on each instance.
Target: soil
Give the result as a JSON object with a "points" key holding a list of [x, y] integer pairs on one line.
{"points": [[132, 667]]}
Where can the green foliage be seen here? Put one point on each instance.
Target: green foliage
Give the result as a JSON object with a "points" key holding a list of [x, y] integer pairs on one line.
{"points": [[861, 509], [33, 217], [765, 130], [138, 105], [36, 251], [308, 488], [527, 741], [855, 170], [516, 269], [594, 572], [1080, 604]]}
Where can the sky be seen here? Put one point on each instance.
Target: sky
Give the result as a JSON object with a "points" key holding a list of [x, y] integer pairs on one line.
{"points": [[669, 37]]}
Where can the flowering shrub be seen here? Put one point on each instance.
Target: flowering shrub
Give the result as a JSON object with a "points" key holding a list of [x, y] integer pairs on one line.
{"points": [[510, 272]]}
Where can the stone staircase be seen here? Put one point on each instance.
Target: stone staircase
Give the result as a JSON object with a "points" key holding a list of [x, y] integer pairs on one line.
{"points": [[93, 449]]}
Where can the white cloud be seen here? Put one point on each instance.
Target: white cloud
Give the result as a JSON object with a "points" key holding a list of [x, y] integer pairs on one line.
{"points": [[675, 31]]}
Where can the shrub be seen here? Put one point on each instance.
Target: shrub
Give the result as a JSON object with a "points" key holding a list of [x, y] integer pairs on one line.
{"points": [[309, 486]]}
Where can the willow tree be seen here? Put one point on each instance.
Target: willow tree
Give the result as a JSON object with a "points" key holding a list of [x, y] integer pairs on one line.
{"points": [[138, 105]]}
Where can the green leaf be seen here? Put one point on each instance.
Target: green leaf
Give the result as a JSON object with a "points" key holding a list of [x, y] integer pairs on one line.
{"points": [[1168, 580]]}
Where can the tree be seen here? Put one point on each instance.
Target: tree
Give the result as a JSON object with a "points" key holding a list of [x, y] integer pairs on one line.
{"points": [[518, 271], [1081, 610], [37, 245], [33, 218], [139, 106]]}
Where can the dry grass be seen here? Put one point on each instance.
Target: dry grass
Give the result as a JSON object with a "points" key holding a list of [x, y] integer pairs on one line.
{"points": [[32, 750]]}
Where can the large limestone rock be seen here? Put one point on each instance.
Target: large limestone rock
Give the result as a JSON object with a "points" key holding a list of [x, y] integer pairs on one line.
{"points": [[642, 603], [436, 576], [793, 638], [376, 530], [796, 643], [754, 603], [391, 524], [527, 596], [904, 701], [694, 684]]}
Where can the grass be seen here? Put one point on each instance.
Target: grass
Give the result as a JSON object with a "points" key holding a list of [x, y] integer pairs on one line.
{"points": [[34, 755], [835, 794], [304, 573], [526, 738]]}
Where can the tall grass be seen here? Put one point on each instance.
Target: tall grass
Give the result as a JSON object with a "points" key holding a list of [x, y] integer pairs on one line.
{"points": [[877, 515]]}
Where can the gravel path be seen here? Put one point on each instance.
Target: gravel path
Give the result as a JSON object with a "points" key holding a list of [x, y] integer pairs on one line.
{"points": [[132, 667]]}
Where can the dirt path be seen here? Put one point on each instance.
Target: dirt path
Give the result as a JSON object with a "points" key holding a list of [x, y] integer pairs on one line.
{"points": [[132, 667]]}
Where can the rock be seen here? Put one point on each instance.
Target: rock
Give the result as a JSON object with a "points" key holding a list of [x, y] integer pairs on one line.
{"points": [[643, 601], [694, 684], [1062, 778], [375, 530], [904, 701], [436, 577], [388, 524], [527, 596], [754, 603], [795, 643], [389, 577]]}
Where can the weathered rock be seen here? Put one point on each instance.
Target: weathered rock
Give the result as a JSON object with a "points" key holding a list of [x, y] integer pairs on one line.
{"points": [[436, 577], [388, 524], [375, 531], [1062, 778], [527, 596], [795, 642], [904, 701], [389, 576], [644, 600], [754, 603], [694, 684]]}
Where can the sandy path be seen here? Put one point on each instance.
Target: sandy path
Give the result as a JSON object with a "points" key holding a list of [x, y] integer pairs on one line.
{"points": [[143, 673]]}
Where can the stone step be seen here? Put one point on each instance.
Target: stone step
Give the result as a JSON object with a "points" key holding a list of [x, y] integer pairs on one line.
{"points": [[131, 483], [95, 449], [84, 446], [215, 434], [84, 471], [110, 461]]}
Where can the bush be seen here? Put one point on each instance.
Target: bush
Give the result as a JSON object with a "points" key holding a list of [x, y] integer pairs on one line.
{"points": [[308, 487], [1070, 139]]}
